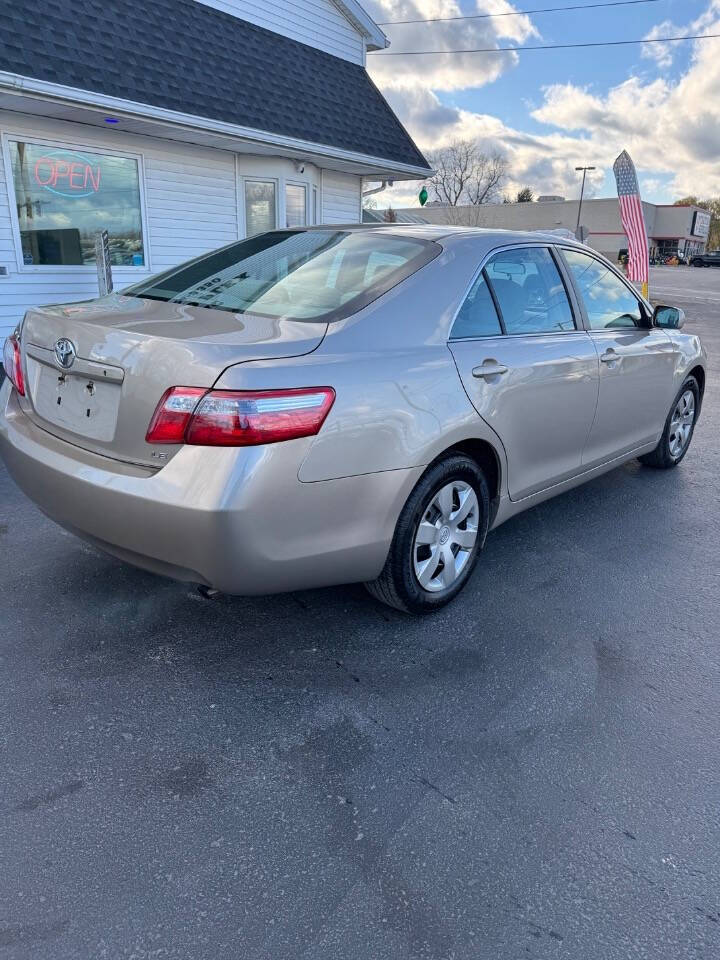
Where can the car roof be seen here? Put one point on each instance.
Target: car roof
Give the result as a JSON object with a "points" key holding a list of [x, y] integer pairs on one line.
{"points": [[435, 231]]}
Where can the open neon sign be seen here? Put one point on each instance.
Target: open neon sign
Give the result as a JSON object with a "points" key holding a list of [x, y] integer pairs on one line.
{"points": [[67, 173]]}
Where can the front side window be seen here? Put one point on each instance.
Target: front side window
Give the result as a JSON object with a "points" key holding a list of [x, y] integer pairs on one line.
{"points": [[295, 205], [477, 316], [65, 196], [608, 301], [529, 291], [301, 275], [259, 207]]}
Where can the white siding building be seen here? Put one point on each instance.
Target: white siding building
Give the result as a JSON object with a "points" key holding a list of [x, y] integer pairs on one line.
{"points": [[179, 126]]}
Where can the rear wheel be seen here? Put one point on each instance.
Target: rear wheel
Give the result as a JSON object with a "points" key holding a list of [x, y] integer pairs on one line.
{"points": [[437, 539], [679, 428]]}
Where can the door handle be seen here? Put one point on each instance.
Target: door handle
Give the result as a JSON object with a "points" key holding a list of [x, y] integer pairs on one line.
{"points": [[610, 356], [489, 368]]}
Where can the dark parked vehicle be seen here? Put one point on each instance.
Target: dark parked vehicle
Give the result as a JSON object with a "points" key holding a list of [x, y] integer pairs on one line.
{"points": [[706, 259]]}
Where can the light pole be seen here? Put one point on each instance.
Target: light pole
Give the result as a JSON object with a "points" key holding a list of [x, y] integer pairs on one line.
{"points": [[582, 191]]}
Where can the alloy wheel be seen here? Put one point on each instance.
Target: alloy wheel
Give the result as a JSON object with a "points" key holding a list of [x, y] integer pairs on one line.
{"points": [[681, 423], [446, 536]]}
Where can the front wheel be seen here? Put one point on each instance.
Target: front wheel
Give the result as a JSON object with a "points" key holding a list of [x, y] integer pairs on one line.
{"points": [[679, 428], [438, 536]]}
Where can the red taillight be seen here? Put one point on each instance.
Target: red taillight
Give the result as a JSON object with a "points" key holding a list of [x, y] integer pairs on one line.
{"points": [[13, 365], [237, 418], [172, 414]]}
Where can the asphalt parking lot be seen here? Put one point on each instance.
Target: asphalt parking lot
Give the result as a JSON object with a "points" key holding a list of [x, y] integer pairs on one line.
{"points": [[533, 772]]}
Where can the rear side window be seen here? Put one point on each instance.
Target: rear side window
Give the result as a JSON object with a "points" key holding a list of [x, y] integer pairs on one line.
{"points": [[529, 291], [320, 275], [477, 316], [608, 301]]}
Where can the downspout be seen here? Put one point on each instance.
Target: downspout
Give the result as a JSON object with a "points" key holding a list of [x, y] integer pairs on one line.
{"points": [[383, 186]]}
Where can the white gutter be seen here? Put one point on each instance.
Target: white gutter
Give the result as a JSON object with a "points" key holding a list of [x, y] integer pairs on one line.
{"points": [[383, 186], [363, 22], [130, 109]]}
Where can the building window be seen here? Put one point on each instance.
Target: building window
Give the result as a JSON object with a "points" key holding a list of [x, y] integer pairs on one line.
{"points": [[295, 205], [668, 247], [260, 213], [65, 196]]}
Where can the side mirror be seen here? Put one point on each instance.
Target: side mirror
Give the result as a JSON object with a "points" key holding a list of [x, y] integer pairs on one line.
{"points": [[669, 318]]}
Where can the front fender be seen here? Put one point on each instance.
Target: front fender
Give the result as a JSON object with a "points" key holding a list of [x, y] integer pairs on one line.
{"points": [[691, 355]]}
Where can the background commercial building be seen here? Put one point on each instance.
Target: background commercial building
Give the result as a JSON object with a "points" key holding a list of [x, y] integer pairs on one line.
{"points": [[671, 230], [179, 126]]}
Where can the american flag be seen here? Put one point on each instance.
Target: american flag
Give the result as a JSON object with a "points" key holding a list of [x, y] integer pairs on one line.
{"points": [[633, 220]]}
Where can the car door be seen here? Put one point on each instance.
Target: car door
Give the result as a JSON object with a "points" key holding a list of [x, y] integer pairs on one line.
{"points": [[529, 369], [637, 360]]}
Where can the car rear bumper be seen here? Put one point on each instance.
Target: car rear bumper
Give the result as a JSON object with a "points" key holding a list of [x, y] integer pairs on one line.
{"points": [[237, 519]]}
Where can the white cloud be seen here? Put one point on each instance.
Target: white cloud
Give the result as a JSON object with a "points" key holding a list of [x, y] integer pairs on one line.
{"points": [[445, 71], [672, 131], [662, 53], [544, 162]]}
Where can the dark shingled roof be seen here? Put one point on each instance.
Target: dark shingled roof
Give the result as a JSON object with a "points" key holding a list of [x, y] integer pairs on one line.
{"points": [[182, 55]]}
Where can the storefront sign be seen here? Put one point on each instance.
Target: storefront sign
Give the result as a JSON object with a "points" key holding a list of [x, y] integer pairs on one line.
{"points": [[700, 224], [67, 173]]}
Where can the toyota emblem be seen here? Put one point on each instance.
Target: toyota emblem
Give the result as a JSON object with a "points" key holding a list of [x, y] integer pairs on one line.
{"points": [[65, 352]]}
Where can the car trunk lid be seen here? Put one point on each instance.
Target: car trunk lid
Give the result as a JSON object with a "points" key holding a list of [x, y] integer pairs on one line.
{"points": [[95, 371]]}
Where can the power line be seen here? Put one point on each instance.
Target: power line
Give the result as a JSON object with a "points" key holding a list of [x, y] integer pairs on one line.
{"points": [[518, 13], [544, 46]]}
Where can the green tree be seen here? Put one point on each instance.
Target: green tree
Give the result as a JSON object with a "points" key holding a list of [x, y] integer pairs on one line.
{"points": [[712, 205], [525, 195]]}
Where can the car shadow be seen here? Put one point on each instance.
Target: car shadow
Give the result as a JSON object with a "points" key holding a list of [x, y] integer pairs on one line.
{"points": [[557, 560]]}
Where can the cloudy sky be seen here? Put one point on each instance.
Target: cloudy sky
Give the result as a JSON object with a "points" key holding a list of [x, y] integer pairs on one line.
{"points": [[550, 111]]}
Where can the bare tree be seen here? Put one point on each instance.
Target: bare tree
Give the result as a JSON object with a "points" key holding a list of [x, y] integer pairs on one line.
{"points": [[465, 175], [390, 216], [490, 171], [453, 170]]}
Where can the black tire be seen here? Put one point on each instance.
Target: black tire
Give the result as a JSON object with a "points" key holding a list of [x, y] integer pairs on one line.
{"points": [[661, 458], [398, 586], [697, 262]]}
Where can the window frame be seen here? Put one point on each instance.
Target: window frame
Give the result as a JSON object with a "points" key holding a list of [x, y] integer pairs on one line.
{"points": [[71, 143], [570, 292], [256, 178], [646, 308], [305, 184]]}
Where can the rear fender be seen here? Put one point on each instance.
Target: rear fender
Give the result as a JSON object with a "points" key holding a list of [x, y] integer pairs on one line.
{"points": [[391, 412]]}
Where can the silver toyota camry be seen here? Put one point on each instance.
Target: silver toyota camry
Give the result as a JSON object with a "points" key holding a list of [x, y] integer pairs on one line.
{"points": [[341, 404]]}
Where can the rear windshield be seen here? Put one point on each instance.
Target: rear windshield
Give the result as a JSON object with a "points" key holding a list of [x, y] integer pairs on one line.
{"points": [[300, 275]]}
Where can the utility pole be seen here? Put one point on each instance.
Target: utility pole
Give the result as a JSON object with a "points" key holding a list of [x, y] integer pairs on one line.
{"points": [[582, 191]]}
